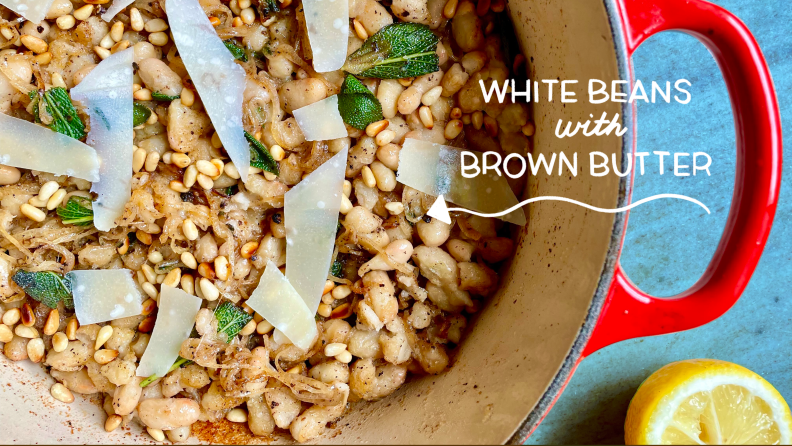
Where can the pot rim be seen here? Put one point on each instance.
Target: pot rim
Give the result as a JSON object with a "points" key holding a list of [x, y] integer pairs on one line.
{"points": [[575, 355]]}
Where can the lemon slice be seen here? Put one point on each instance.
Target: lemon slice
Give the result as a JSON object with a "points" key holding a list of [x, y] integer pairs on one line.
{"points": [[707, 401]]}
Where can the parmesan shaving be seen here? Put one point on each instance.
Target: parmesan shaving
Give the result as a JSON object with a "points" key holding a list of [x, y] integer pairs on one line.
{"points": [[321, 120], [327, 22], [104, 294]]}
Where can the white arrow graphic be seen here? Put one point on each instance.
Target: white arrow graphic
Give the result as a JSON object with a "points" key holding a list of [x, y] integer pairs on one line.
{"points": [[440, 210]]}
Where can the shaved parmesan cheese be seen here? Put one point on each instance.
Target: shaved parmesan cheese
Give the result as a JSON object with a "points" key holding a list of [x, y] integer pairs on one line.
{"points": [[321, 120], [106, 94], [327, 22], [435, 169], [175, 320], [276, 300], [311, 210], [30, 146], [33, 10], [115, 8], [217, 77], [104, 294]]}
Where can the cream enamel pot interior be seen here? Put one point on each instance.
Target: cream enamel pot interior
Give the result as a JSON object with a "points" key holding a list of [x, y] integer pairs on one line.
{"points": [[563, 290]]}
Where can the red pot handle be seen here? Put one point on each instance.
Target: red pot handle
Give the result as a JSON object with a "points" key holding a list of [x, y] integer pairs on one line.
{"points": [[628, 312]]}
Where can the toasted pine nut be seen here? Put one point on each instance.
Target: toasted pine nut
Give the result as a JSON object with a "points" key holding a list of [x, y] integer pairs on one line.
{"points": [[231, 170], [385, 137], [346, 205], [26, 332], [105, 355], [158, 38], [35, 350], [143, 237], [56, 199], [498, 6], [368, 177], [237, 415], [34, 44], [220, 165], [209, 289], [152, 159], [103, 53], [222, 268], [65, 22], [394, 208], [456, 113], [264, 327], [360, 30], [216, 143], [205, 181], [277, 152], [155, 257], [59, 342], [431, 96], [84, 12], [190, 176], [189, 260], [149, 306], [112, 422], [206, 270], [151, 276], [117, 31], [32, 213], [452, 129], [449, 10], [375, 127], [425, 113], [344, 357], [150, 289], [347, 188], [147, 325], [491, 126], [28, 317], [71, 328], [52, 323], [187, 283], [477, 119], [334, 348], [207, 168], [61, 393], [107, 42], [406, 81], [187, 97], [189, 229], [6, 334], [104, 334], [57, 81], [156, 434], [324, 310], [173, 278], [136, 20], [248, 329], [43, 58], [12, 316], [138, 159], [248, 249], [341, 291], [156, 25], [178, 186]]}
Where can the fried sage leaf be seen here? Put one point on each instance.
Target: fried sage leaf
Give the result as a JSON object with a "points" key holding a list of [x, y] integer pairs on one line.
{"points": [[46, 287], [396, 51], [357, 104]]}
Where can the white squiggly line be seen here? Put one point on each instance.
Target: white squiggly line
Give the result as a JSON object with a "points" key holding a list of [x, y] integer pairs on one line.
{"points": [[588, 206]]}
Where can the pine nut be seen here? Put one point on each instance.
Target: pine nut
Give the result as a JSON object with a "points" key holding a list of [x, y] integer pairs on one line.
{"points": [[49, 188], [173, 278], [324, 310], [147, 325], [71, 328], [34, 44], [207, 168], [84, 12], [152, 159], [189, 229], [329, 285], [375, 127], [270, 176], [9, 175], [188, 284], [156, 434], [205, 181], [61, 393], [144, 94], [59, 342], [449, 10], [178, 186], [425, 113], [431, 96], [56, 199], [143, 237], [231, 170], [248, 16], [477, 119], [35, 350], [222, 268], [452, 129], [158, 38], [277, 152], [394, 208], [360, 30], [237, 22], [105, 355], [32, 213], [152, 119], [248, 329], [341, 291], [155, 257], [491, 126], [187, 97], [104, 334], [189, 260], [206, 270], [264, 327], [347, 188], [243, 4], [35, 202], [149, 306], [136, 20], [237, 415], [120, 46], [190, 176], [346, 205], [209, 290], [103, 53], [456, 113], [344, 357], [65, 22], [52, 323], [406, 81], [385, 137], [528, 129], [248, 249], [12, 316], [138, 159], [219, 165], [334, 349], [43, 58], [160, 278], [216, 143], [151, 276], [368, 177], [28, 317], [156, 25], [26, 332], [149, 289], [112, 422], [6, 335], [117, 31]]}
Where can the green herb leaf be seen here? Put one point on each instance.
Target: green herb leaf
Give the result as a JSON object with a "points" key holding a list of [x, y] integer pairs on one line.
{"points": [[237, 51], [140, 114], [179, 363], [260, 156], [267, 8], [46, 287], [396, 51], [336, 268], [77, 211], [231, 319], [357, 104], [58, 105], [162, 96]]}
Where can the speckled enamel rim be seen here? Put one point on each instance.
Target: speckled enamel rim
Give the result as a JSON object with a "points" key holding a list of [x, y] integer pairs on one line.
{"points": [[556, 387]]}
